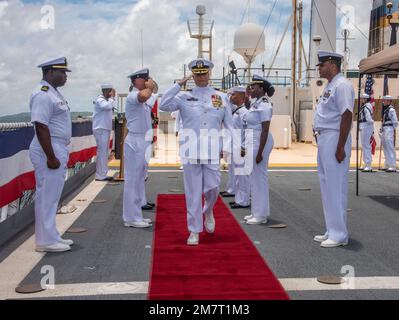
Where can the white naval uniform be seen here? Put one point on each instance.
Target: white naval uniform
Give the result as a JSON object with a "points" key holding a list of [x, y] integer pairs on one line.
{"points": [[137, 153], [150, 102], [261, 111], [102, 127], [242, 181], [367, 129], [337, 98], [390, 123], [51, 109], [199, 152]]}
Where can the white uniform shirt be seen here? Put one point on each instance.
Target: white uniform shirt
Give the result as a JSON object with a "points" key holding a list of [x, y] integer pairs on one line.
{"points": [[202, 111], [393, 116], [138, 115], [51, 109], [178, 122], [368, 115], [261, 111], [337, 97], [103, 112], [238, 116]]}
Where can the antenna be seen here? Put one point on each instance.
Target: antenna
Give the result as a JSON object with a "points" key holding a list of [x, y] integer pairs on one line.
{"points": [[201, 30], [142, 49], [346, 34]]}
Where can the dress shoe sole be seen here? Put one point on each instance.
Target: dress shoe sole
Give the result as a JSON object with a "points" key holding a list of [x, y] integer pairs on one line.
{"points": [[334, 246], [256, 223], [240, 207], [52, 250], [138, 227]]}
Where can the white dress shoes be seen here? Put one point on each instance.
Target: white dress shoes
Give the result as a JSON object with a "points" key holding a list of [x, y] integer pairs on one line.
{"points": [[332, 244], [139, 225], [248, 217], [210, 223], [321, 238], [193, 240], [56, 247], [255, 221], [67, 242]]}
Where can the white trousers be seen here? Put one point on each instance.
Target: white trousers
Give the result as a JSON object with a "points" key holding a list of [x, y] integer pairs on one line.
{"points": [[388, 144], [49, 185], [334, 184], [102, 140], [200, 179], [231, 183], [242, 188], [259, 178], [365, 136], [136, 151]]}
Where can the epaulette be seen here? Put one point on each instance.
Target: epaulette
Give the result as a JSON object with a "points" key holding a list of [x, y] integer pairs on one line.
{"points": [[45, 88], [265, 99]]}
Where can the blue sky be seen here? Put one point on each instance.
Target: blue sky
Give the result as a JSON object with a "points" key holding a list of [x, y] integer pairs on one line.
{"points": [[101, 39]]}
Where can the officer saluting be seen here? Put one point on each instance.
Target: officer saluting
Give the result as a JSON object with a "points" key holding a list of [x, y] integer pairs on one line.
{"points": [[389, 124], [332, 126], [102, 126], [366, 124], [202, 112], [49, 154], [137, 148]]}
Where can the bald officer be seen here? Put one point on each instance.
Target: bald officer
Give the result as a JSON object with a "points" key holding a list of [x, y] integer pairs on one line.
{"points": [[137, 148], [366, 125], [49, 154], [203, 110], [332, 126], [104, 107], [389, 124]]}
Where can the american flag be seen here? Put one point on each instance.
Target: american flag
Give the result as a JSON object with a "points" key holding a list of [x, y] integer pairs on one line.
{"points": [[369, 90]]}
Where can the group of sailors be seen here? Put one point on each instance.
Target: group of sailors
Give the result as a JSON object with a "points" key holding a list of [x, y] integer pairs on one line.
{"points": [[387, 132], [245, 113]]}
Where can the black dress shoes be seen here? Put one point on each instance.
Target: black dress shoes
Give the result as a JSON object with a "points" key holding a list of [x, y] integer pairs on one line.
{"points": [[238, 206]]}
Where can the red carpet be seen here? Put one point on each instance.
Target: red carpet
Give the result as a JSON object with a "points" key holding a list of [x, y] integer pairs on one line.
{"points": [[225, 266]]}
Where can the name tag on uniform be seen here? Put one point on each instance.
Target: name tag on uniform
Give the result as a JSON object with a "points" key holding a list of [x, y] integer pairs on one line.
{"points": [[217, 101], [63, 105], [192, 99], [327, 94]]}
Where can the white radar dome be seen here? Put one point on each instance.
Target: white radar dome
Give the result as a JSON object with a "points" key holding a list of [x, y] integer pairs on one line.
{"points": [[249, 41]]}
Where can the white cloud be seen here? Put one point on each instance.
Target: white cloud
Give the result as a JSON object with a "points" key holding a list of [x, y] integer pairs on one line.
{"points": [[102, 42]]}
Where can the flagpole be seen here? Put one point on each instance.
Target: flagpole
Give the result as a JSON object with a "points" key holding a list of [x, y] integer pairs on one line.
{"points": [[358, 134]]}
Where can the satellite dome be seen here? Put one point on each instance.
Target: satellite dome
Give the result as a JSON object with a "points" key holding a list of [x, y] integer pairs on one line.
{"points": [[249, 41]]}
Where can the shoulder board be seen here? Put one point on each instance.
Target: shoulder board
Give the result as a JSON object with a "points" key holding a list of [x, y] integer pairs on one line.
{"points": [[45, 88], [265, 99]]}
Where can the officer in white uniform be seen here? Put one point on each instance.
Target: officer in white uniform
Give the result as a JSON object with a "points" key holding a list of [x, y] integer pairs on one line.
{"points": [[137, 148], [241, 180], [49, 154], [366, 125], [389, 124], [202, 111], [259, 144], [104, 106], [332, 126]]}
